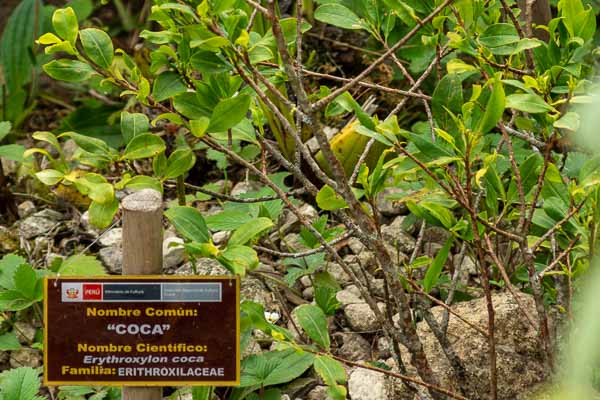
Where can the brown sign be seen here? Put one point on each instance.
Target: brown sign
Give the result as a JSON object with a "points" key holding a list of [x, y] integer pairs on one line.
{"points": [[142, 330]]}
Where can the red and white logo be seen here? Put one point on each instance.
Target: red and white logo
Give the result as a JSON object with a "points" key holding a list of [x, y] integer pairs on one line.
{"points": [[92, 291]]}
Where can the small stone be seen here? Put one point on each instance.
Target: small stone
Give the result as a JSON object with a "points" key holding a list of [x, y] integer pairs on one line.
{"points": [[389, 207], [113, 237], [112, 258], [220, 237], [338, 273], [396, 236], [384, 347], [87, 226], [346, 297], [173, 252], [294, 242], [308, 293], [209, 266], [305, 281], [50, 214], [26, 357], [26, 208], [25, 332], [361, 318], [355, 245], [378, 287], [291, 221], [318, 393], [35, 226], [354, 346], [244, 187], [365, 384]]}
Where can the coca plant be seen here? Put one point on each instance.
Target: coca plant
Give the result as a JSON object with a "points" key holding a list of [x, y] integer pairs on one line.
{"points": [[487, 154]]}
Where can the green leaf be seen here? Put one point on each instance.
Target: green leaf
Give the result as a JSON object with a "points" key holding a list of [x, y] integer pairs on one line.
{"points": [[228, 113], [5, 127], [168, 84], [90, 144], [189, 105], [179, 162], [20, 384], [228, 220], [189, 223], [49, 177], [528, 102], [198, 126], [498, 35], [25, 281], [144, 182], [330, 370], [570, 121], [133, 124], [65, 24], [69, 70], [494, 108], [435, 269], [274, 367], [313, 321], [9, 342], [102, 214], [338, 15], [250, 230], [8, 265], [238, 259], [81, 265], [145, 145], [98, 46], [17, 42], [328, 199], [12, 152]]}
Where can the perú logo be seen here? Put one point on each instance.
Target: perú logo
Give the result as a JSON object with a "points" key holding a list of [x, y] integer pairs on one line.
{"points": [[92, 291], [72, 293]]}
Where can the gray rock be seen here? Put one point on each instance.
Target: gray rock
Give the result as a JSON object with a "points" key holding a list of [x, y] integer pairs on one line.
{"points": [[293, 242], [50, 214], [252, 348], [254, 290], [112, 258], [25, 332], [308, 293], [435, 234], [361, 318], [26, 357], [389, 207], [87, 226], [35, 226], [384, 347], [173, 252], [354, 347], [346, 297], [305, 281], [338, 273], [318, 393], [204, 266], [395, 235], [220, 237], [355, 245], [26, 208], [365, 384], [245, 187], [113, 237], [291, 221], [519, 362]]}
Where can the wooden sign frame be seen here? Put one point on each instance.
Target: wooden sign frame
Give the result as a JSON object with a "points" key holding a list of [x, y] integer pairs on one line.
{"points": [[56, 356]]}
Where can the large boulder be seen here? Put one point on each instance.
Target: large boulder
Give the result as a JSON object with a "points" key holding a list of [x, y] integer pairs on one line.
{"points": [[519, 361]]}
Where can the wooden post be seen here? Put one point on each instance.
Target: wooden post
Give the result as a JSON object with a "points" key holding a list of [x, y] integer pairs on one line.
{"points": [[142, 255]]}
